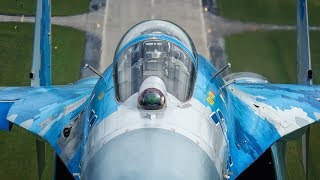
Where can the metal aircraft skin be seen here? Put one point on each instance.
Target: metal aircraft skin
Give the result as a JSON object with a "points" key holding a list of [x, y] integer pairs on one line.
{"points": [[160, 111]]}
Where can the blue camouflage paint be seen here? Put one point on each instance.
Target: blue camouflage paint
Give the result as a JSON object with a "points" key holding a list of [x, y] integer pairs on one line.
{"points": [[301, 5], [205, 82], [48, 104], [4, 108], [247, 134], [285, 96], [215, 118], [41, 60], [247, 131], [106, 104], [45, 45]]}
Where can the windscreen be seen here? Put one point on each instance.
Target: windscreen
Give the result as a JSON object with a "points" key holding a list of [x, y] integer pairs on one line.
{"points": [[159, 27]]}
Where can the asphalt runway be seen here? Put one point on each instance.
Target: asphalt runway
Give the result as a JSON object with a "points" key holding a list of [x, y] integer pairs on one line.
{"points": [[120, 15]]}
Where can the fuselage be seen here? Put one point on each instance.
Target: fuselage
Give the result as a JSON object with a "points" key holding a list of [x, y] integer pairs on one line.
{"points": [[184, 140], [157, 112]]}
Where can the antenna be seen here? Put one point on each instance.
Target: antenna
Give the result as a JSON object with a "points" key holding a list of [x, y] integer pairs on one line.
{"points": [[222, 69], [97, 73], [93, 70]]}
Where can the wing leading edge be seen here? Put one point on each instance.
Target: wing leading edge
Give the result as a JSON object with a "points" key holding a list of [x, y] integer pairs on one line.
{"points": [[46, 111], [263, 113]]}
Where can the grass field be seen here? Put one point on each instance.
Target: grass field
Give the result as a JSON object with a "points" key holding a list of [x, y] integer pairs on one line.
{"points": [[267, 11], [17, 148], [59, 7], [273, 55]]}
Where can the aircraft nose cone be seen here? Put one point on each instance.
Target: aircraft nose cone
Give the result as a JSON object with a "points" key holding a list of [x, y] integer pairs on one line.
{"points": [[150, 154]]}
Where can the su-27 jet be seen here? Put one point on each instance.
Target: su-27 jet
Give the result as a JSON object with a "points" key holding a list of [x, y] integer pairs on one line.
{"points": [[161, 110]]}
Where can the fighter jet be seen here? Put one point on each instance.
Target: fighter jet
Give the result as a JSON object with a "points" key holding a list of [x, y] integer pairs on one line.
{"points": [[161, 110]]}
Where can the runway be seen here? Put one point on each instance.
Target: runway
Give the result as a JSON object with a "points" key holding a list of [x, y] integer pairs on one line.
{"points": [[120, 15]]}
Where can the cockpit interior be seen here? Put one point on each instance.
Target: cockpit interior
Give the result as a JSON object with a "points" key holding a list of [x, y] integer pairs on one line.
{"points": [[161, 50]]}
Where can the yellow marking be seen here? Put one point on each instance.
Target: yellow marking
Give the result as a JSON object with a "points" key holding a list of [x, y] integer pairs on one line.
{"points": [[100, 96], [210, 100], [211, 94]]}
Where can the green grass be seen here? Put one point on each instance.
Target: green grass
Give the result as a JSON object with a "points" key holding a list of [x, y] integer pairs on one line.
{"points": [[267, 11], [59, 7], [269, 54], [17, 148], [273, 55]]}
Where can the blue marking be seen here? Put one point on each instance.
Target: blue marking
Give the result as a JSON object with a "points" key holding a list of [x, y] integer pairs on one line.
{"points": [[215, 118], [220, 114], [92, 118]]}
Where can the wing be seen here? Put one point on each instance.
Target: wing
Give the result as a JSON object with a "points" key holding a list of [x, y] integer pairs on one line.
{"points": [[263, 113], [46, 111]]}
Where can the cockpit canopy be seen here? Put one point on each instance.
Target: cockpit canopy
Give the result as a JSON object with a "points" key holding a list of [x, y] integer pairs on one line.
{"points": [[155, 48]]}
